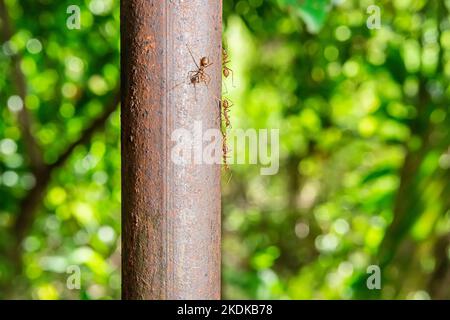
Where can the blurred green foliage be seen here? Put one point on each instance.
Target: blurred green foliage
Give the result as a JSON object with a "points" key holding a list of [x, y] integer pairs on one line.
{"points": [[70, 77], [364, 123], [364, 132]]}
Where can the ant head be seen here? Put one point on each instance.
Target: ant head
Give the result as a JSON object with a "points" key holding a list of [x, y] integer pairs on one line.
{"points": [[225, 103], [204, 61], [226, 73]]}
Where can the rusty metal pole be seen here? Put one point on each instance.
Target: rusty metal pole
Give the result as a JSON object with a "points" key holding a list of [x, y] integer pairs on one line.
{"points": [[170, 212]]}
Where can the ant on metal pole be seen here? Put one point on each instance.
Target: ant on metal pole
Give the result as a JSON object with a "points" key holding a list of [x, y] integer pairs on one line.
{"points": [[199, 75]]}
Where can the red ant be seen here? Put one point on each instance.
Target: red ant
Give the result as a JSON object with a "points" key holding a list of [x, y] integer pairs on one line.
{"points": [[225, 150], [199, 75], [226, 105], [225, 155], [224, 108], [225, 69]]}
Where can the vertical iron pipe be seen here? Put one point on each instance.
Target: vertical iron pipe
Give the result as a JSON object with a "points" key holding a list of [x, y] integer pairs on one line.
{"points": [[170, 212]]}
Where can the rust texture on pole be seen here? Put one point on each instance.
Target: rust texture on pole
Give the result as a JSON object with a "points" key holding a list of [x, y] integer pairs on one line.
{"points": [[170, 212]]}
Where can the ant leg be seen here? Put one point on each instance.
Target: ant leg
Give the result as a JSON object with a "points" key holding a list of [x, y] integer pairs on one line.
{"points": [[176, 86], [218, 100], [226, 87], [208, 79], [205, 78], [195, 91], [232, 77]]}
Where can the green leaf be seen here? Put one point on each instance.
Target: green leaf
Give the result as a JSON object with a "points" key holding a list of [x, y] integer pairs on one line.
{"points": [[313, 12]]}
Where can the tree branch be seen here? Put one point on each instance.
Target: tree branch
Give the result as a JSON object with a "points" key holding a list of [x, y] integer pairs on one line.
{"points": [[88, 132], [30, 203], [25, 119], [41, 171]]}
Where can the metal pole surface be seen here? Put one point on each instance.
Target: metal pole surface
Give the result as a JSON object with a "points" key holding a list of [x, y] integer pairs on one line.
{"points": [[170, 212]]}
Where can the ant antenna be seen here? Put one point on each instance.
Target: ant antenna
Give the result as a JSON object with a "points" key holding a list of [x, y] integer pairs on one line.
{"points": [[193, 59]]}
